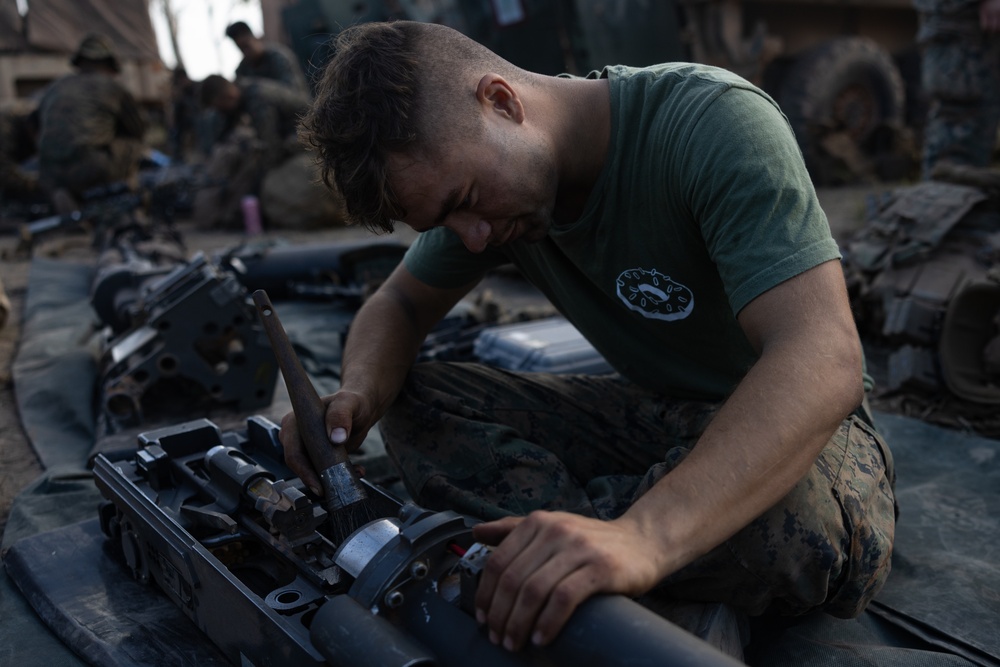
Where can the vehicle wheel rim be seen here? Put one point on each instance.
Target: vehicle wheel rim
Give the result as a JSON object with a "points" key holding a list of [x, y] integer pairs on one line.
{"points": [[856, 111]]}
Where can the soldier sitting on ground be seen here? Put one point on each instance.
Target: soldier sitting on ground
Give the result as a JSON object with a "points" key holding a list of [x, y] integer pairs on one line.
{"points": [[258, 133], [91, 128]]}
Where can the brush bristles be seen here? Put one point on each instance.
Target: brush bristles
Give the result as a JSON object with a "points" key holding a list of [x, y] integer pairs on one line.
{"points": [[344, 521]]}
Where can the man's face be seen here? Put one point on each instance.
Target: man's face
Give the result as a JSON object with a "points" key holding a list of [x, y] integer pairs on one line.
{"points": [[228, 99], [251, 47], [497, 188]]}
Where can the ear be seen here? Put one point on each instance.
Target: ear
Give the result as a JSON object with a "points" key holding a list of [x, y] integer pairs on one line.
{"points": [[494, 93]]}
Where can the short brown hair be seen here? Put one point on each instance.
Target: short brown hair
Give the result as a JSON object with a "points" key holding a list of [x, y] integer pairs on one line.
{"points": [[211, 88], [380, 95], [239, 29]]}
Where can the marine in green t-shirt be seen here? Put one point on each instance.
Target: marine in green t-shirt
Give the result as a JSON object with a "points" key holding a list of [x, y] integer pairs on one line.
{"points": [[663, 258], [667, 213]]}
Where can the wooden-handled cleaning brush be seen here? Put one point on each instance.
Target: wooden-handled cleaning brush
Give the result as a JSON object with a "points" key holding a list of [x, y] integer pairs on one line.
{"points": [[345, 498]]}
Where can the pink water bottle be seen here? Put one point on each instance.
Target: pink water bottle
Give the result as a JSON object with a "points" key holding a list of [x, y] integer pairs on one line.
{"points": [[251, 215]]}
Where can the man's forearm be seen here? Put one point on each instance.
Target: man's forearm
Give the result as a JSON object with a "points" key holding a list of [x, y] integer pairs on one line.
{"points": [[770, 430], [387, 333], [383, 342], [760, 444]]}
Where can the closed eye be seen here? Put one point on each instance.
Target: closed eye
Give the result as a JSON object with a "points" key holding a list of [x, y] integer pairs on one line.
{"points": [[467, 202], [452, 203]]}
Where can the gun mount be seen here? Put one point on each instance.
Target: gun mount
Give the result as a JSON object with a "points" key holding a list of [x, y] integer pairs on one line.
{"points": [[187, 333], [183, 335], [224, 530]]}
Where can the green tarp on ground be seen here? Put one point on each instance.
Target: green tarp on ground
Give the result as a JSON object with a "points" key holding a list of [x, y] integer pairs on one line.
{"points": [[941, 605]]}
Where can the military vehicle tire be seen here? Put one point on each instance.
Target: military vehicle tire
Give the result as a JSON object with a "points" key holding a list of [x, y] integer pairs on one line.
{"points": [[845, 101]]}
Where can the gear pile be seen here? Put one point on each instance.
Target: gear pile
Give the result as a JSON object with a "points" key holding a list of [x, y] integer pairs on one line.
{"points": [[924, 280]]}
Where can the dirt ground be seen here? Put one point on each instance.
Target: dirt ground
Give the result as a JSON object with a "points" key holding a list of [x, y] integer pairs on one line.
{"points": [[19, 465]]}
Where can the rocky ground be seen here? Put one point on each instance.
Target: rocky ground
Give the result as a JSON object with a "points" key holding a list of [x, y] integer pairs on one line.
{"points": [[18, 463]]}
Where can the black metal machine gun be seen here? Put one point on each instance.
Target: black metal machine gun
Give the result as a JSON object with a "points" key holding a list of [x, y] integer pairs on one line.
{"points": [[111, 211], [242, 547], [275, 575]]}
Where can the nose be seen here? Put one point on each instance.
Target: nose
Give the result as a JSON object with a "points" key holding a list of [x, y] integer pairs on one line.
{"points": [[474, 233]]}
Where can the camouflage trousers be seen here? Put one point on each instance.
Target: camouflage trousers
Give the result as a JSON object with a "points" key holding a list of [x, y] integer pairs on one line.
{"points": [[90, 167], [491, 443], [961, 78]]}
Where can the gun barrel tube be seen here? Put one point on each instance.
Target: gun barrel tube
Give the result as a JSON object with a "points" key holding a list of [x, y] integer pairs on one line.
{"points": [[348, 634], [605, 631]]}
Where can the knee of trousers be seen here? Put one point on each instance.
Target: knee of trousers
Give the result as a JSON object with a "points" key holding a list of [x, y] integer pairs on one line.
{"points": [[828, 544], [428, 423]]}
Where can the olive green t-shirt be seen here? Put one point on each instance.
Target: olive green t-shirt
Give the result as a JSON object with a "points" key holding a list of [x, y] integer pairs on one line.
{"points": [[703, 204]]}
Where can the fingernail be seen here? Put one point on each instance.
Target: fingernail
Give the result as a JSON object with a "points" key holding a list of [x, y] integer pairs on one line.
{"points": [[508, 643], [338, 435], [494, 637], [480, 617], [315, 490], [537, 639]]}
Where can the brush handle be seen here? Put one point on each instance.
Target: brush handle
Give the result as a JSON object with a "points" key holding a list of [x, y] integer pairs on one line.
{"points": [[310, 413]]}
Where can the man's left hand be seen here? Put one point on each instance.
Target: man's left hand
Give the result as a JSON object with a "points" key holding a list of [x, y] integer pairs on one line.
{"points": [[548, 563]]}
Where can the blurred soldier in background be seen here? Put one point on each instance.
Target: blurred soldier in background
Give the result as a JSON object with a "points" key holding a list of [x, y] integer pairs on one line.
{"points": [[961, 78], [91, 128], [271, 108], [185, 110], [259, 119], [266, 60]]}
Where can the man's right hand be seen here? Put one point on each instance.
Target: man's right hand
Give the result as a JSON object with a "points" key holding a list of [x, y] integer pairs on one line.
{"points": [[349, 417], [384, 340]]}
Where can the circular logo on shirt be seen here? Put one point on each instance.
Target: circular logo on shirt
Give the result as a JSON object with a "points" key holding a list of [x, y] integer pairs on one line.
{"points": [[654, 295]]}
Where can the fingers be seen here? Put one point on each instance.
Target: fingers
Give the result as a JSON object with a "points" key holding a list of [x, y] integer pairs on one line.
{"points": [[494, 531], [344, 419], [347, 418], [500, 560], [543, 602], [570, 594], [532, 583], [501, 587]]}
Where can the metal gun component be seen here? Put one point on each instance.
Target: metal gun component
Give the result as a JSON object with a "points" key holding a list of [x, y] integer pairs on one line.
{"points": [[184, 338], [285, 508], [111, 211], [217, 522], [107, 208], [180, 336], [347, 270]]}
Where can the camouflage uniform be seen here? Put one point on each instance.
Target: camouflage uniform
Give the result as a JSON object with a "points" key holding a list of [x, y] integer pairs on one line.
{"points": [[492, 443], [91, 133], [272, 111], [961, 78], [277, 63]]}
